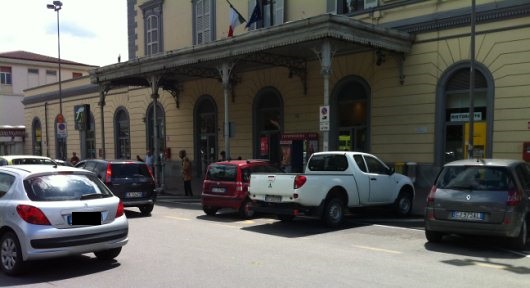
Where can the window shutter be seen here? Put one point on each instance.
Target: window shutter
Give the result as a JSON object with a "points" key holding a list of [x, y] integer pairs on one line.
{"points": [[206, 21], [331, 6]]}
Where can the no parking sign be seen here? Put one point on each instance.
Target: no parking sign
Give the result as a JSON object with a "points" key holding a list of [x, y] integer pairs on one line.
{"points": [[61, 130]]}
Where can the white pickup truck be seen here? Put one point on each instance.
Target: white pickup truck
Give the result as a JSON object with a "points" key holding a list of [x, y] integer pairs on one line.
{"points": [[332, 182]]}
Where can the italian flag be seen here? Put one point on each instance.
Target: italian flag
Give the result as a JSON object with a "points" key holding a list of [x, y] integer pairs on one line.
{"points": [[235, 20]]}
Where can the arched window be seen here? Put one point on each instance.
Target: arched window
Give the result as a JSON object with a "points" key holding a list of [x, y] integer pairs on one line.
{"points": [[453, 100], [205, 115], [268, 124], [122, 134], [36, 137], [160, 126], [349, 113]]}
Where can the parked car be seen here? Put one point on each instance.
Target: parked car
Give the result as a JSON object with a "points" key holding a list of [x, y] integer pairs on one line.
{"points": [[132, 181], [480, 197], [63, 162], [25, 160], [52, 211], [226, 185]]}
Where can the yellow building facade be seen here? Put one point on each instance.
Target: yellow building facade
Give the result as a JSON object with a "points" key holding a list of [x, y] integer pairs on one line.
{"points": [[390, 78]]}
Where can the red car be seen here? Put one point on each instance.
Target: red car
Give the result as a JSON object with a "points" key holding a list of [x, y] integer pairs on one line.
{"points": [[226, 185]]}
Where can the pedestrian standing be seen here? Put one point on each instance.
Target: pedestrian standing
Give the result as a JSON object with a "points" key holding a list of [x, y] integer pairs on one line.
{"points": [[186, 173], [223, 156], [74, 160]]}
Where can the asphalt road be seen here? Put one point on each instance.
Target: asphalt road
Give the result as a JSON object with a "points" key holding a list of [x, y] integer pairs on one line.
{"points": [[179, 246]]}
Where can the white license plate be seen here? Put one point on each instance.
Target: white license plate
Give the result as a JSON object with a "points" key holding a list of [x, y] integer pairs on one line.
{"points": [[133, 194], [473, 216], [273, 198], [218, 190]]}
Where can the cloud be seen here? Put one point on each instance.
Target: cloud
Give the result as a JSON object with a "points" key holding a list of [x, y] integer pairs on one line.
{"points": [[70, 28]]}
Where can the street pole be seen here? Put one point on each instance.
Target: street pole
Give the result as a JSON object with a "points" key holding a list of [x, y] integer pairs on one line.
{"points": [[472, 84], [56, 6]]}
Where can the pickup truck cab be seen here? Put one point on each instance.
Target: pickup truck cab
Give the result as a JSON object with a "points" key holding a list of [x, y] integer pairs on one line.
{"points": [[333, 182]]}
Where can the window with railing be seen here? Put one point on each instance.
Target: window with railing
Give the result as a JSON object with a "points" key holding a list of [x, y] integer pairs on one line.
{"points": [[153, 27]]}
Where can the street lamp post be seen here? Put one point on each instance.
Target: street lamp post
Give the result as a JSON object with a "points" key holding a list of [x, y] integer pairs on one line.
{"points": [[56, 6]]}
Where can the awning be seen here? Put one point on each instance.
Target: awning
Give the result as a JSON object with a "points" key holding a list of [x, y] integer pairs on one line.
{"points": [[288, 44]]}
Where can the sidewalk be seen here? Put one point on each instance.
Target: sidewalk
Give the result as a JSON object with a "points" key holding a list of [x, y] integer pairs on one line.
{"points": [[178, 193]]}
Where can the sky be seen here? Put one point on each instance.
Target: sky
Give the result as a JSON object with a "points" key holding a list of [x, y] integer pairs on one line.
{"points": [[92, 32]]}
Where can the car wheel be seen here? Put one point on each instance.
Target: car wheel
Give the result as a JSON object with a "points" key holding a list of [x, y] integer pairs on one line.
{"points": [[403, 204], [10, 254], [433, 236], [146, 210], [520, 241], [210, 211], [246, 210], [106, 255], [285, 217], [333, 212]]}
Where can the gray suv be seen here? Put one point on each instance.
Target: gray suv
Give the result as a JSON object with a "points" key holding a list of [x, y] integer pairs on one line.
{"points": [[480, 197], [132, 181]]}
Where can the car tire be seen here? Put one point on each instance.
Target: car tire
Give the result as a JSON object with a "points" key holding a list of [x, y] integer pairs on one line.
{"points": [[146, 210], [246, 210], [520, 242], [333, 214], [403, 204], [11, 261], [210, 211], [433, 236], [109, 254]]}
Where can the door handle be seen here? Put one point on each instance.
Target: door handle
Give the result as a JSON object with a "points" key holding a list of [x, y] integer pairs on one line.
{"points": [[373, 179]]}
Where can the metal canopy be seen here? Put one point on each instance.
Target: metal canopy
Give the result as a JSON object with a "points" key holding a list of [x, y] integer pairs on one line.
{"points": [[289, 45]]}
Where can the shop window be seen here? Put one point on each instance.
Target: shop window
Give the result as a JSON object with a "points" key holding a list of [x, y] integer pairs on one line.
{"points": [[206, 132], [268, 110], [160, 127], [453, 124], [36, 137]]}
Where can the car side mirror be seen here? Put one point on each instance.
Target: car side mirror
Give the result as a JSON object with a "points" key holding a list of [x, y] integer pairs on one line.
{"points": [[391, 170]]}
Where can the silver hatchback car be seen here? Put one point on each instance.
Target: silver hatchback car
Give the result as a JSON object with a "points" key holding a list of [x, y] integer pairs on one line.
{"points": [[51, 211], [480, 197]]}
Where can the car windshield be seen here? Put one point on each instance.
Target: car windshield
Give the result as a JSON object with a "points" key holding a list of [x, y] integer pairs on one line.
{"points": [[475, 178], [64, 187], [222, 172]]}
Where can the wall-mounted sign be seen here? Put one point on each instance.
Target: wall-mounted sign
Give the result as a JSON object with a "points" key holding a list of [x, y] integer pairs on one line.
{"points": [[324, 118], [61, 130], [461, 117]]}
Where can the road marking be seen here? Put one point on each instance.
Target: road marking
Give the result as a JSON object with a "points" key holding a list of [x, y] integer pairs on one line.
{"points": [[516, 252], [489, 265], [378, 249], [178, 218], [401, 228]]}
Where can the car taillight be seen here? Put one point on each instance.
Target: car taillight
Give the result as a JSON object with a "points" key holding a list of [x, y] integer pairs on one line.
{"points": [[32, 215], [120, 211], [299, 181], [239, 186], [108, 174], [514, 197], [430, 197]]}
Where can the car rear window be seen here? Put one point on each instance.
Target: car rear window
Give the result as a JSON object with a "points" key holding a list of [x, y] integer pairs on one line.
{"points": [[64, 187], [475, 178], [330, 162], [222, 172], [129, 170]]}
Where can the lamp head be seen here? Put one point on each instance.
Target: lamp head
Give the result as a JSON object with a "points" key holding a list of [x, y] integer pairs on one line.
{"points": [[58, 3]]}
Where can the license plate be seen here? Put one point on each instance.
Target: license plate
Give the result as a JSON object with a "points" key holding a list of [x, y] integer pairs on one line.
{"points": [[84, 218], [133, 194], [218, 190], [273, 198], [471, 216]]}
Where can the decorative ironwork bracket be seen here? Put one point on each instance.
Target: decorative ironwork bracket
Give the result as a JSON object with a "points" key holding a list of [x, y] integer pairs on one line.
{"points": [[400, 57], [175, 90]]}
